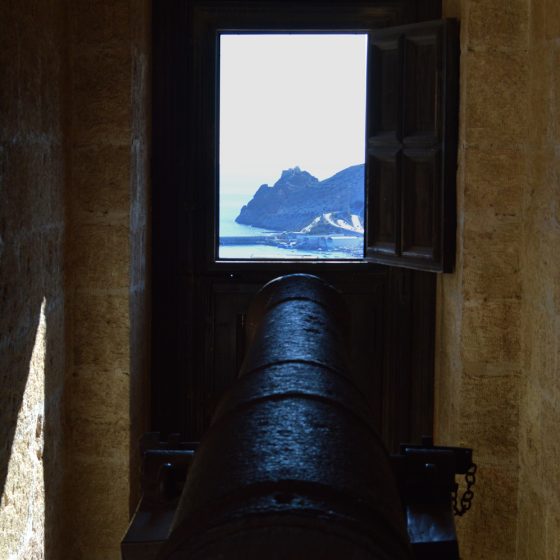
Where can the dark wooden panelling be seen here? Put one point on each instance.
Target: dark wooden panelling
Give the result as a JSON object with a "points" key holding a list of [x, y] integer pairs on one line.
{"points": [[381, 344], [408, 370], [428, 10], [421, 387], [422, 113], [423, 63], [420, 230], [385, 92], [171, 127], [383, 206], [398, 361]]}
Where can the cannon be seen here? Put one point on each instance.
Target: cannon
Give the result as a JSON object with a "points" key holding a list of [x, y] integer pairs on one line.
{"points": [[291, 465]]}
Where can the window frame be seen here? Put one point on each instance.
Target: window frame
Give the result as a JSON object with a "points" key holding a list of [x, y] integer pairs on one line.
{"points": [[208, 19], [183, 280], [312, 266], [297, 261]]}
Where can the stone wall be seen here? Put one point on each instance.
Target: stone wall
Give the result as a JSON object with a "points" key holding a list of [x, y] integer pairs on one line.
{"points": [[32, 298], [107, 233], [539, 440], [496, 379], [74, 178], [479, 316]]}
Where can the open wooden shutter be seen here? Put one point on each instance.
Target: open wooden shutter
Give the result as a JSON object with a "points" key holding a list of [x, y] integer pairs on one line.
{"points": [[412, 146]]}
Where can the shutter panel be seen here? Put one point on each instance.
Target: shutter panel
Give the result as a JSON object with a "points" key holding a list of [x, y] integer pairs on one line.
{"points": [[412, 146]]}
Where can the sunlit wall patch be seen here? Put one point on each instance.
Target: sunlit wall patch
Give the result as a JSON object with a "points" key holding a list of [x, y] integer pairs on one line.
{"points": [[292, 113]]}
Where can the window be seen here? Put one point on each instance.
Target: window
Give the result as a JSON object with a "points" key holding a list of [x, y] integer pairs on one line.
{"points": [[292, 114], [410, 166], [200, 297]]}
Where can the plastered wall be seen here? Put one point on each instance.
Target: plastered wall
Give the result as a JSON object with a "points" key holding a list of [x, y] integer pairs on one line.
{"points": [[32, 297], [496, 379]]}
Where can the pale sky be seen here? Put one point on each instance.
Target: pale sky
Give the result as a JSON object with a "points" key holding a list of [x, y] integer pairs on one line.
{"points": [[288, 100]]}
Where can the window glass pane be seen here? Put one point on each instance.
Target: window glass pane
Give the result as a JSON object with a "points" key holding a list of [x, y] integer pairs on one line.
{"points": [[292, 146]]}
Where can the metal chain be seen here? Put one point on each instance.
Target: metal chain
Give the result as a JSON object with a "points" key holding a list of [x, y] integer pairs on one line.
{"points": [[468, 494]]}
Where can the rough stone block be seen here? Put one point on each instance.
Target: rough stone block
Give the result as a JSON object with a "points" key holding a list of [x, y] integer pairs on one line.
{"points": [[551, 447], [495, 181], [105, 439], [541, 269], [542, 71], [101, 331], [542, 176], [491, 264], [487, 531], [495, 98], [104, 23], [472, 367], [491, 330], [99, 396], [101, 91], [531, 528], [101, 182], [552, 19], [30, 270], [490, 418], [537, 22], [494, 24], [544, 348], [100, 256], [97, 490], [530, 443], [32, 186], [555, 107], [552, 533]]}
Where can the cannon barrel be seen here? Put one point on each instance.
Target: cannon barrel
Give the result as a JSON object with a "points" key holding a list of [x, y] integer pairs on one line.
{"points": [[291, 466]]}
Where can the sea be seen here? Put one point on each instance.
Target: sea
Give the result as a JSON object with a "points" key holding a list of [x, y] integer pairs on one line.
{"points": [[230, 206]]}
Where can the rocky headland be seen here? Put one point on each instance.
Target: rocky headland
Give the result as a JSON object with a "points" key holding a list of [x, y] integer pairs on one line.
{"points": [[299, 202]]}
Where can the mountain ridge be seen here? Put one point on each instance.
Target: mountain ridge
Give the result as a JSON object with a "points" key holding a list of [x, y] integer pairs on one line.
{"points": [[299, 202]]}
